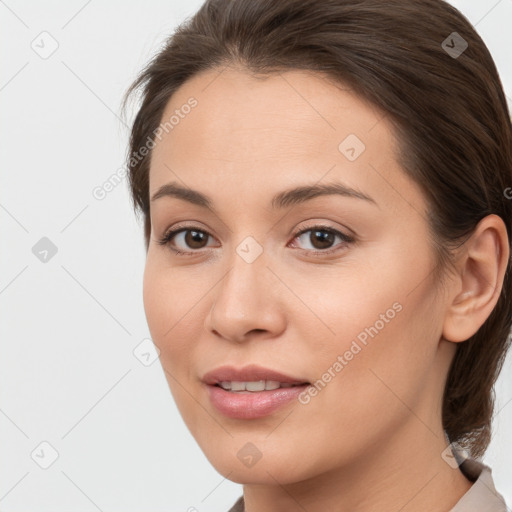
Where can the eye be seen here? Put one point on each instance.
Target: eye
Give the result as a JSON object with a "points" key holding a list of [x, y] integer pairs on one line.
{"points": [[191, 236], [322, 238]]}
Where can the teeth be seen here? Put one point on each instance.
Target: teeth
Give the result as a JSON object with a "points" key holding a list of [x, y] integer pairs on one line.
{"points": [[260, 385]]}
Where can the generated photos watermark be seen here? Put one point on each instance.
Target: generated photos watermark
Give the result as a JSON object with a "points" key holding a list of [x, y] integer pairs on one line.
{"points": [[355, 348]]}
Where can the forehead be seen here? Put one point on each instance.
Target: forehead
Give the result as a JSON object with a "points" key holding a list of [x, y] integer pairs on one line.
{"points": [[294, 106], [247, 134]]}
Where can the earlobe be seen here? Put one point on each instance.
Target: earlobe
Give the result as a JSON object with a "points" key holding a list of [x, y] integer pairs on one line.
{"points": [[481, 268]]}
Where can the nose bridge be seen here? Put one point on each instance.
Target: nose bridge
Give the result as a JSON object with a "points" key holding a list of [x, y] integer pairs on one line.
{"points": [[244, 283], [244, 299]]}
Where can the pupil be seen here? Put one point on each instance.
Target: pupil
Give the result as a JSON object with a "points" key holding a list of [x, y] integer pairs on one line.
{"points": [[194, 236], [323, 236]]}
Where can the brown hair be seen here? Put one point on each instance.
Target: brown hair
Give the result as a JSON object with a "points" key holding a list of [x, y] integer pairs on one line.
{"points": [[449, 113]]}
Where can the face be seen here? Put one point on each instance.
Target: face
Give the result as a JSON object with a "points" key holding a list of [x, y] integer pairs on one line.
{"points": [[334, 289]]}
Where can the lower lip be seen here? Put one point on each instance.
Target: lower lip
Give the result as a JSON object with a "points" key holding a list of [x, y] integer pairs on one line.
{"points": [[250, 405]]}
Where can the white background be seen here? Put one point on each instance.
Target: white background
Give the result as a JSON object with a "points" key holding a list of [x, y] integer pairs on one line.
{"points": [[68, 375]]}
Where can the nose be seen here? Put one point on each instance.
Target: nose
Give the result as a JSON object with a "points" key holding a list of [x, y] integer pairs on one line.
{"points": [[247, 302]]}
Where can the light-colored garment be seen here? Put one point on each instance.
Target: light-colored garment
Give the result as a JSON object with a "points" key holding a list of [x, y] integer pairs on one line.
{"points": [[481, 497]]}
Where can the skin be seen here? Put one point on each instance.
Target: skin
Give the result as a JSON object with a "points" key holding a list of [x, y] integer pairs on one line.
{"points": [[372, 439]]}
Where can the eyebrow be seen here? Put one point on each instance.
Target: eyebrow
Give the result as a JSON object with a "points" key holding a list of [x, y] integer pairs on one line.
{"points": [[281, 200]]}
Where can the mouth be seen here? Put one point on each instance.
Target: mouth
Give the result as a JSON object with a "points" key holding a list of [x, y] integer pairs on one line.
{"points": [[256, 386], [249, 400], [251, 392], [251, 378]]}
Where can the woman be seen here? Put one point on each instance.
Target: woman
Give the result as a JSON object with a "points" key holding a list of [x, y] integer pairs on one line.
{"points": [[327, 225]]}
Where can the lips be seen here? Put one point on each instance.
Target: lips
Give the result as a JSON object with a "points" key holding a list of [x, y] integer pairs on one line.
{"points": [[250, 373]]}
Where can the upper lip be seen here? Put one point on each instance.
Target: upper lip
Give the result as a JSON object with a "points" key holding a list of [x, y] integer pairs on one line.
{"points": [[250, 373]]}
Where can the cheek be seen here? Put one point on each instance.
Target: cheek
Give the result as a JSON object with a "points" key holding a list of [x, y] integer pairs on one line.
{"points": [[372, 335], [171, 306], [341, 305], [173, 314]]}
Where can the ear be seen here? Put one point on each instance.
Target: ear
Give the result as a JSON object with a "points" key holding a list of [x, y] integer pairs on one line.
{"points": [[481, 268]]}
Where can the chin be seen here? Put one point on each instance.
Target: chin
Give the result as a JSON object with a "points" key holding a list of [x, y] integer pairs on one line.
{"points": [[262, 475], [244, 465]]}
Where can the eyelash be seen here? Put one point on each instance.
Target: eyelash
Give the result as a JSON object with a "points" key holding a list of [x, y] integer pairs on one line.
{"points": [[346, 239]]}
